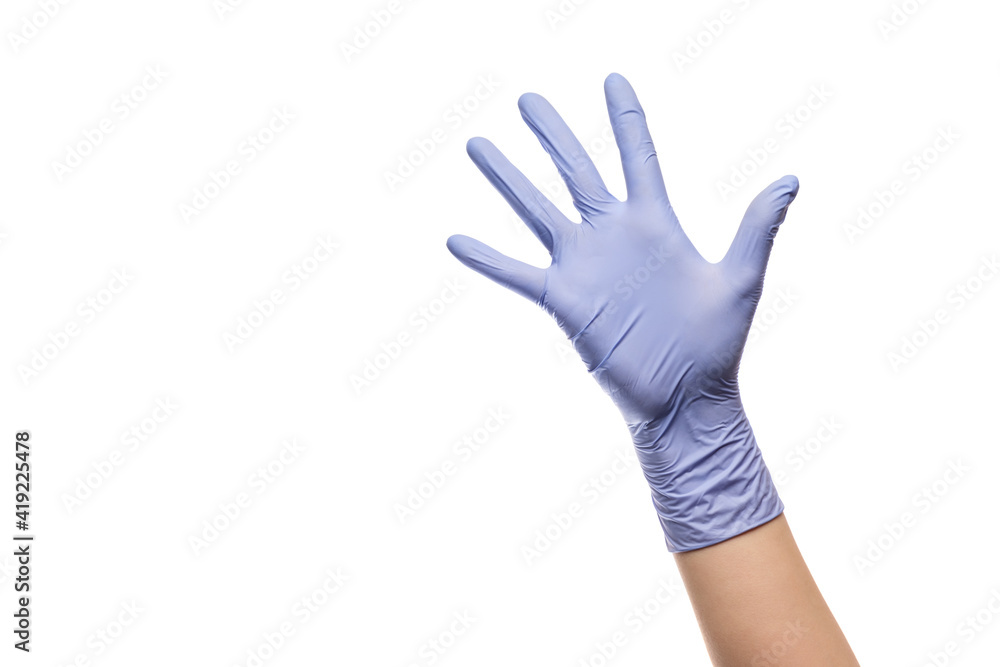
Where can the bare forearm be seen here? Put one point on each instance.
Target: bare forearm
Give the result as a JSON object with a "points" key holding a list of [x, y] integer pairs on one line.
{"points": [[757, 603]]}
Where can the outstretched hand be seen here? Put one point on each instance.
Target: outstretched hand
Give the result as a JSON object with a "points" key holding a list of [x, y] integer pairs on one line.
{"points": [[656, 324]]}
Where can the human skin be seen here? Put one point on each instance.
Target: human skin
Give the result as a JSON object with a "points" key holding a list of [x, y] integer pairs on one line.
{"points": [[758, 605]]}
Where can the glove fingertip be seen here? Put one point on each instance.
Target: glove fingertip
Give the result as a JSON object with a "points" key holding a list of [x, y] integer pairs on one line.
{"points": [[791, 183], [614, 79], [474, 146], [533, 105], [458, 244]]}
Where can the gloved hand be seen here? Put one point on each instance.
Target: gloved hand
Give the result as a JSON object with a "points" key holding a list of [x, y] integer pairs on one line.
{"points": [[660, 328]]}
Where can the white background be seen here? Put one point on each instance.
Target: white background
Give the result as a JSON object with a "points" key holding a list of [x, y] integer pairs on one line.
{"points": [[162, 337]]}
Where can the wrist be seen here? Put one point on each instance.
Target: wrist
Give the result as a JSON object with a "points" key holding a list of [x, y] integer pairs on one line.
{"points": [[708, 478]]}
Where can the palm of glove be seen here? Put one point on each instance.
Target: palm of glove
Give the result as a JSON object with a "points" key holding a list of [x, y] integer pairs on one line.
{"points": [[650, 318], [654, 322]]}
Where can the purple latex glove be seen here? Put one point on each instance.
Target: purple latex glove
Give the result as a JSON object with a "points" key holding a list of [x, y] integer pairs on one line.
{"points": [[660, 328]]}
